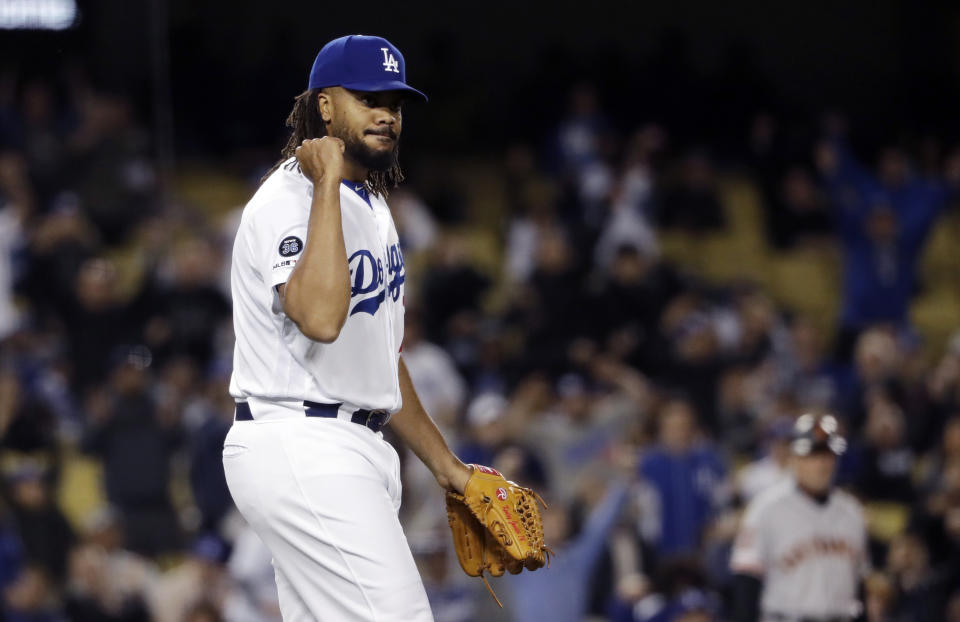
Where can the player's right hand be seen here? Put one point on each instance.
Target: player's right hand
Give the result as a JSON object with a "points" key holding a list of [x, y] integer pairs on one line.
{"points": [[321, 158]]}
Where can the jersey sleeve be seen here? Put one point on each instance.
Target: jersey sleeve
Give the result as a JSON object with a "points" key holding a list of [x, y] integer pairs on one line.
{"points": [[747, 555], [281, 237]]}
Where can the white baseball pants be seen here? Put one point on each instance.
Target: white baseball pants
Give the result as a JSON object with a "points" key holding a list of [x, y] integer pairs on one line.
{"points": [[324, 496]]}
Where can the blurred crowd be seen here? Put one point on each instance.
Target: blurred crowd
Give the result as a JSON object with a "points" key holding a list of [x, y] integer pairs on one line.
{"points": [[645, 402]]}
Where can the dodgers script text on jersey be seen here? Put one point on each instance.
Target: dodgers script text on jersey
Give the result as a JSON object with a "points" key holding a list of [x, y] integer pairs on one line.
{"points": [[276, 361]]}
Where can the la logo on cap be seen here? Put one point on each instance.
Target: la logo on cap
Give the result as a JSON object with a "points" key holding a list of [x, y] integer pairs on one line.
{"points": [[389, 62]]}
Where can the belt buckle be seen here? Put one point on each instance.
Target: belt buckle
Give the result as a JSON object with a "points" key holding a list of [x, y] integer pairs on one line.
{"points": [[377, 419]]}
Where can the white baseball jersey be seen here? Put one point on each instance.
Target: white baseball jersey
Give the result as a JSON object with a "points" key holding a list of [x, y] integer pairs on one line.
{"points": [[810, 556], [272, 359]]}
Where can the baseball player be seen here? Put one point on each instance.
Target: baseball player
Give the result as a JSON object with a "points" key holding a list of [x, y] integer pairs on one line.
{"points": [[317, 281], [801, 550]]}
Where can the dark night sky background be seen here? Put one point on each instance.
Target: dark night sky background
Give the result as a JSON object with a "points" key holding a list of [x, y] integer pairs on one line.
{"points": [[499, 72]]}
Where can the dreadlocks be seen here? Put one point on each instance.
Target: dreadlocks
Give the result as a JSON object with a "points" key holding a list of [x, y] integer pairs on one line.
{"points": [[306, 123]]}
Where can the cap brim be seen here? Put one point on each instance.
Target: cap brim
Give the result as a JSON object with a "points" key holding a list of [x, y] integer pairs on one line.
{"points": [[803, 447], [387, 85]]}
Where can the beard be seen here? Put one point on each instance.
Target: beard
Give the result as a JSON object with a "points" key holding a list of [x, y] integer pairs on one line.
{"points": [[374, 160]]}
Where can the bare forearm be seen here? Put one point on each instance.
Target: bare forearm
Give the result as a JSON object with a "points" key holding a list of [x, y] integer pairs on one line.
{"points": [[415, 427], [317, 294]]}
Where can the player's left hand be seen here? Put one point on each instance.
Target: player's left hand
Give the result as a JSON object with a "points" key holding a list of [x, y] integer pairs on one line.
{"points": [[496, 526], [454, 478]]}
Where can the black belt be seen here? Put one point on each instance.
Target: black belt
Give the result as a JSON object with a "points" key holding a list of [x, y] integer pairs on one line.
{"points": [[373, 419]]}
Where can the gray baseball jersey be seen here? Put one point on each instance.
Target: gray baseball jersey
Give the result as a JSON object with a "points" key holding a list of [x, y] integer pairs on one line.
{"points": [[810, 556]]}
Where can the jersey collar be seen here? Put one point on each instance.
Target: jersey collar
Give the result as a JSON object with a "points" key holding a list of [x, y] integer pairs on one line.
{"points": [[819, 499], [359, 189]]}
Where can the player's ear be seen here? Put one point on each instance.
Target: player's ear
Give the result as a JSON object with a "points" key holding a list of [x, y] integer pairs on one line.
{"points": [[325, 104]]}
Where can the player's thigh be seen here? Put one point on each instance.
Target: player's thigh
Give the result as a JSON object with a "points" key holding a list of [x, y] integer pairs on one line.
{"points": [[347, 553], [335, 537], [292, 607]]}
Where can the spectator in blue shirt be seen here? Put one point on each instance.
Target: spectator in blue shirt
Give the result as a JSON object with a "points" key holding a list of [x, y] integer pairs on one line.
{"points": [[689, 477], [560, 594], [883, 220]]}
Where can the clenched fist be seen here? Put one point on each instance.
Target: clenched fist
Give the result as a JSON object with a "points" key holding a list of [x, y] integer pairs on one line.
{"points": [[321, 158]]}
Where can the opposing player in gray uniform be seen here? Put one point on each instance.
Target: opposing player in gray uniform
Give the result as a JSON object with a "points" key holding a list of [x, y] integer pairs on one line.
{"points": [[801, 550]]}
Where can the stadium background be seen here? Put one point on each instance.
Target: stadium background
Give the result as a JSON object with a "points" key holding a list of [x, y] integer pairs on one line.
{"points": [[625, 233]]}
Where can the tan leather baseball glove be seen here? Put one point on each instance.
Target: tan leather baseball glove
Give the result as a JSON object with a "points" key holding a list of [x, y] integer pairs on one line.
{"points": [[496, 526]]}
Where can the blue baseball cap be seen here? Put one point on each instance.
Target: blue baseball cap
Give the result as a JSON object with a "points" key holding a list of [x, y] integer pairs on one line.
{"points": [[361, 63]]}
